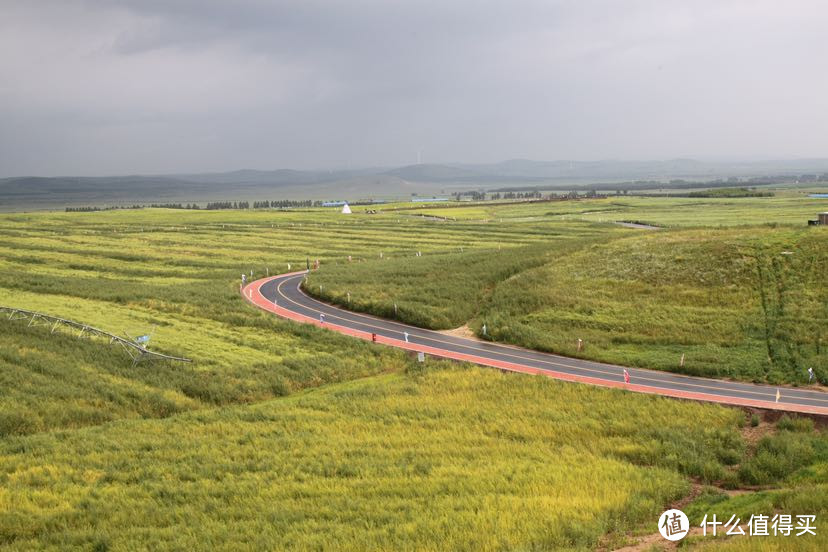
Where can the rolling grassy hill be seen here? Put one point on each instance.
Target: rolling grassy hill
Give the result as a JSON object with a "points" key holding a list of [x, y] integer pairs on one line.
{"points": [[283, 436], [726, 299], [179, 272], [439, 458]]}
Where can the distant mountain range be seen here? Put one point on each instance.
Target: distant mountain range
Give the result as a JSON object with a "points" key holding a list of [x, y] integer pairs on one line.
{"points": [[387, 183]]}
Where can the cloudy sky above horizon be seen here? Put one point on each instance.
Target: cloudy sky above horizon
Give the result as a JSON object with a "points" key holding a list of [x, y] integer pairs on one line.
{"points": [[158, 86]]}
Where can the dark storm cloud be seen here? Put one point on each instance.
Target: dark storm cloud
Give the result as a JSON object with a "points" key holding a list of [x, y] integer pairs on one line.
{"points": [[158, 86]]}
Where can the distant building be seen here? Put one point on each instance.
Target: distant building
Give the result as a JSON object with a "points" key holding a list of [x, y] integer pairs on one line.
{"points": [[428, 199], [334, 203]]}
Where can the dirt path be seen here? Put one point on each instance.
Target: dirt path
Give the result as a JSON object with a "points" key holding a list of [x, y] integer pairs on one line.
{"points": [[654, 541], [637, 225], [462, 331]]}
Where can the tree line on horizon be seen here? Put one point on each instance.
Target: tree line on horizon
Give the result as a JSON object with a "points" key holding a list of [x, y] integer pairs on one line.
{"points": [[474, 195], [211, 206]]}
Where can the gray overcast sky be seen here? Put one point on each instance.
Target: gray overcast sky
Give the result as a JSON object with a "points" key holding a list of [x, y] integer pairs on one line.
{"points": [[149, 86]]}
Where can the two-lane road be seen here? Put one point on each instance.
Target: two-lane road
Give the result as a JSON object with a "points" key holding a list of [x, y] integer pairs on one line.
{"points": [[283, 296]]}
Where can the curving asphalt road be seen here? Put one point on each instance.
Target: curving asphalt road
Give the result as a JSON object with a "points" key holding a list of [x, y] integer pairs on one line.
{"points": [[283, 296]]}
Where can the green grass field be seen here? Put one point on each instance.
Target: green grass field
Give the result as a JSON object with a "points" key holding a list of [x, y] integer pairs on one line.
{"points": [[288, 436], [788, 207], [178, 272], [743, 302], [442, 458]]}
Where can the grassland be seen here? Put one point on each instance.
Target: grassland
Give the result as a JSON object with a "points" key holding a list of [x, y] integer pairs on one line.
{"points": [[429, 460], [743, 302], [726, 300], [286, 436], [788, 207], [438, 459], [791, 461], [179, 272]]}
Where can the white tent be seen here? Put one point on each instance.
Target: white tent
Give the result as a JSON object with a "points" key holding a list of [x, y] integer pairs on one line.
{"points": [[346, 210]]}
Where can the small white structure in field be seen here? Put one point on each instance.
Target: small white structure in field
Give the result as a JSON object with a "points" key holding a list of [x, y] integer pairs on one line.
{"points": [[346, 210]]}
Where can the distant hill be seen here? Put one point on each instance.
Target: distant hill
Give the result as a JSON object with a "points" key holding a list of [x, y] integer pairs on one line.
{"points": [[26, 193], [31, 192], [278, 177], [34, 189], [596, 169], [437, 173]]}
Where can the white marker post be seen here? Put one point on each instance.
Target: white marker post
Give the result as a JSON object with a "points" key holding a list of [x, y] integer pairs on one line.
{"points": [[580, 344], [681, 362]]}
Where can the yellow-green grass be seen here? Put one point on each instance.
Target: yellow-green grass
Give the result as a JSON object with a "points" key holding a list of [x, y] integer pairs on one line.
{"points": [[52, 381], [452, 459], [176, 274], [795, 498], [439, 291], [792, 463], [649, 299], [96, 454], [748, 303], [793, 208]]}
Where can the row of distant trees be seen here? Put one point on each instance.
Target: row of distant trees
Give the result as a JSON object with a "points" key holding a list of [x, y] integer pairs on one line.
{"points": [[89, 209], [536, 194], [283, 203], [475, 195], [266, 204], [679, 183], [512, 194], [275, 204]]}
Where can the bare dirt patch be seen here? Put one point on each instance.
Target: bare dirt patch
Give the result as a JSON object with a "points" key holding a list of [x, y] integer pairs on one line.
{"points": [[462, 331], [752, 435], [655, 540]]}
